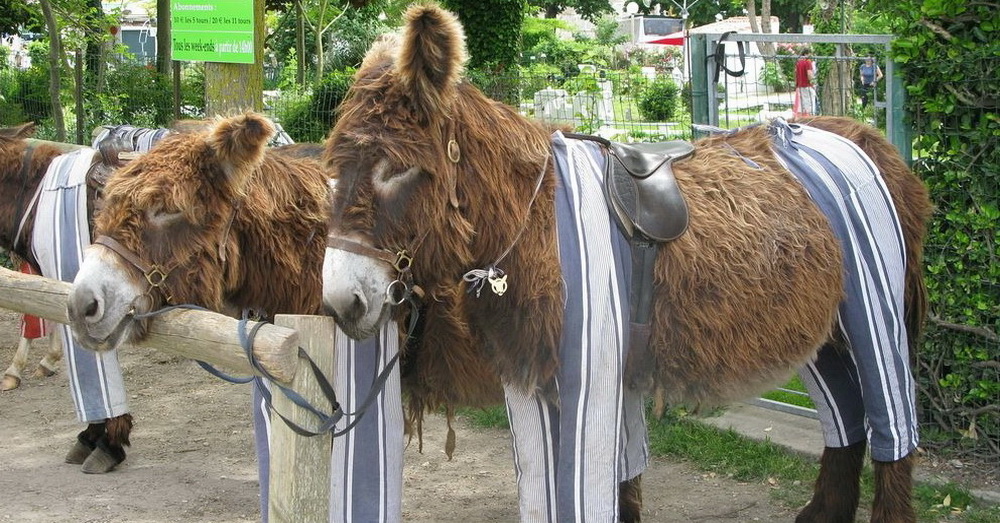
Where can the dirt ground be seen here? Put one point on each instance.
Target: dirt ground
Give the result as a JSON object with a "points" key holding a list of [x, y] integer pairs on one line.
{"points": [[192, 459]]}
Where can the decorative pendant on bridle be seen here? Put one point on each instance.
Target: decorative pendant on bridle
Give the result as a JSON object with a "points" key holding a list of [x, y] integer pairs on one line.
{"points": [[477, 279]]}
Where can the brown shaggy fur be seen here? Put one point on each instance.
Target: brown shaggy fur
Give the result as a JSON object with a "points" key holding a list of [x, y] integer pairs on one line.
{"points": [[748, 294], [17, 188], [278, 201], [838, 488], [277, 207]]}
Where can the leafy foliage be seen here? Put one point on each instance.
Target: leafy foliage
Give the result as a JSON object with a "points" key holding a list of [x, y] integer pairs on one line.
{"points": [[496, 27], [309, 117], [949, 57], [659, 101]]}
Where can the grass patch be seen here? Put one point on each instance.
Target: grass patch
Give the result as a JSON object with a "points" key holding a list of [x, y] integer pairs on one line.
{"points": [[790, 475], [789, 393], [488, 418]]}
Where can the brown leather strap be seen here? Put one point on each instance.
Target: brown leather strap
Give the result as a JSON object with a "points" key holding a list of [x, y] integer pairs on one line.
{"points": [[120, 250], [336, 242]]}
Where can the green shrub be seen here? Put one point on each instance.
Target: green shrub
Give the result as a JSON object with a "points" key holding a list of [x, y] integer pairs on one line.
{"points": [[135, 94], [659, 101], [33, 93], [309, 118], [952, 91]]}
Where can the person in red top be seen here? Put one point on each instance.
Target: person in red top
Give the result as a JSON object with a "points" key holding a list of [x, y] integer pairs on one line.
{"points": [[805, 92]]}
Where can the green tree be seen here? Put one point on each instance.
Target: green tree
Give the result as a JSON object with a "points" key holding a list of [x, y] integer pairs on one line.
{"points": [[13, 16], [588, 9], [494, 30]]}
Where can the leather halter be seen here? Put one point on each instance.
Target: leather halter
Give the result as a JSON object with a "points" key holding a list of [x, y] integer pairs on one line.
{"points": [[401, 288], [155, 275]]}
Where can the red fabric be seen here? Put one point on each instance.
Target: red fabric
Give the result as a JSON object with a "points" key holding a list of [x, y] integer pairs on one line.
{"points": [[31, 326], [802, 69], [671, 39]]}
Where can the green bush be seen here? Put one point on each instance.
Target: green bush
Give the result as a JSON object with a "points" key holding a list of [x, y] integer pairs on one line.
{"points": [[659, 101], [309, 118], [773, 78], [135, 94], [33, 93], [952, 91]]}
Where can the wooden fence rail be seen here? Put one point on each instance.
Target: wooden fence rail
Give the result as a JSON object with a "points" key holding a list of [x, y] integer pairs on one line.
{"points": [[201, 335], [300, 466]]}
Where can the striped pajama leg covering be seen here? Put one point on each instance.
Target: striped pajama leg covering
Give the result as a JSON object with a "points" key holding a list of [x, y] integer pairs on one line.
{"points": [[366, 468], [867, 392], [60, 236], [570, 457]]}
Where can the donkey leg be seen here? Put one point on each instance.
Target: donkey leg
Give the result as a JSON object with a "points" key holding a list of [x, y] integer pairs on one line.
{"points": [[50, 362], [86, 442], [12, 376], [110, 446], [630, 500], [893, 484], [835, 496]]}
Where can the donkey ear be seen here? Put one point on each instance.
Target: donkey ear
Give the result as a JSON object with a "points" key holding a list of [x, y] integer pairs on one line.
{"points": [[19, 132], [431, 58], [239, 143]]}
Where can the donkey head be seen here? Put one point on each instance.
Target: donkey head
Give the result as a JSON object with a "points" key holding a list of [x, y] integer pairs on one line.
{"points": [[396, 184], [163, 234]]}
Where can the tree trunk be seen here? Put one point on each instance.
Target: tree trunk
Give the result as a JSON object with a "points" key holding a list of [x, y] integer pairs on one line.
{"points": [[163, 30], [319, 56], [300, 45], [766, 48], [836, 87], [94, 56], [234, 88], [55, 64]]}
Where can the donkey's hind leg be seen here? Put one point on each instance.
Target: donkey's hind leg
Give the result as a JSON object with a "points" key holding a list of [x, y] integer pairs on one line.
{"points": [[893, 483], [835, 497], [12, 376], [50, 362], [630, 500]]}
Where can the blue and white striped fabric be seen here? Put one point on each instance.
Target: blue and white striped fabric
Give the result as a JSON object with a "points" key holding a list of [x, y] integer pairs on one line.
{"points": [[570, 457], [60, 236], [366, 463], [366, 470], [138, 138], [869, 391]]}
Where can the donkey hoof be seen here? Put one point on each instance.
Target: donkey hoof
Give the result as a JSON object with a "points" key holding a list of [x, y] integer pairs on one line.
{"points": [[43, 372], [100, 461], [9, 382], [79, 453]]}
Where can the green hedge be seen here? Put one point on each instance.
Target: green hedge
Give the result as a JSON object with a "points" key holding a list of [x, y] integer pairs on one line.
{"points": [[949, 57]]}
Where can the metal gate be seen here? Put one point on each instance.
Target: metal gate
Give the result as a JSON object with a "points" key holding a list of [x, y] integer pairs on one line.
{"points": [[732, 84]]}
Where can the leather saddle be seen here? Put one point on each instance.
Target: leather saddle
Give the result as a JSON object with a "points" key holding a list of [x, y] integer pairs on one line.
{"points": [[640, 188]]}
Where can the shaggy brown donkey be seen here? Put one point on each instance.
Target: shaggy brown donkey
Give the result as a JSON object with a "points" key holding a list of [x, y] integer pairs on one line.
{"points": [[769, 270]]}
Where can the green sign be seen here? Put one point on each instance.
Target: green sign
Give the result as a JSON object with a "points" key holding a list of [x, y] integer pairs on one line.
{"points": [[212, 30]]}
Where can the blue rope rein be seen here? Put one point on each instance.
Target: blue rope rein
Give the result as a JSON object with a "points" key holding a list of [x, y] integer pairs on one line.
{"points": [[327, 422]]}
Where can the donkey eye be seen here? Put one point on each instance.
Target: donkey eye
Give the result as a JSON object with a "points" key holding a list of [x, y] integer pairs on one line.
{"points": [[161, 218], [388, 180]]}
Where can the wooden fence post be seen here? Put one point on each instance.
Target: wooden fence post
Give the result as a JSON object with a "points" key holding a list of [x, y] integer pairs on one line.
{"points": [[300, 466]]}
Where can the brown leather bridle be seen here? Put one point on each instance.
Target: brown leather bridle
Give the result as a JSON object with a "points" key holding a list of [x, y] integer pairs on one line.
{"points": [[155, 275], [400, 289]]}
